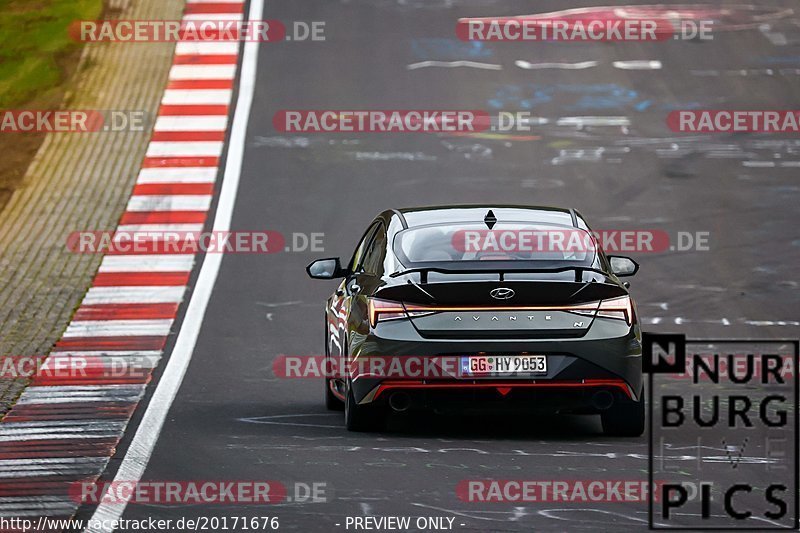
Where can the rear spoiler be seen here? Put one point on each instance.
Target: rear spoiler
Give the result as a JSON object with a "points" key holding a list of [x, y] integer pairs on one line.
{"points": [[423, 271]]}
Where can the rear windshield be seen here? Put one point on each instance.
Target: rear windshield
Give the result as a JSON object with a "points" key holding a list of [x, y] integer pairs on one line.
{"points": [[506, 241]]}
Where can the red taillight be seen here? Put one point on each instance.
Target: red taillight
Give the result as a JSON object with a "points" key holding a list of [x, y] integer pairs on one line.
{"points": [[380, 310], [384, 310], [583, 309], [619, 308]]}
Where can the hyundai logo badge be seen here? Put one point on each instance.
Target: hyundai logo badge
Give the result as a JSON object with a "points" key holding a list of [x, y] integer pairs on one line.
{"points": [[502, 293]]}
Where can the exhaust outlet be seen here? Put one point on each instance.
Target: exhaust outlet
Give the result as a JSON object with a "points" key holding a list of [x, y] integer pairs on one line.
{"points": [[399, 402], [602, 400]]}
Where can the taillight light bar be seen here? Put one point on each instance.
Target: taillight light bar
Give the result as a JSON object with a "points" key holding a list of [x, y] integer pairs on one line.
{"points": [[384, 310], [617, 308], [380, 310]]}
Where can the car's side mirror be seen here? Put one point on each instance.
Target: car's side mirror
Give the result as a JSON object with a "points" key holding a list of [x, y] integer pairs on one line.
{"points": [[330, 268], [623, 266]]}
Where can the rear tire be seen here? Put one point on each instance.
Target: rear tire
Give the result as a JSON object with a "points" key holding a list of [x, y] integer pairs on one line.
{"points": [[361, 418], [332, 402], [625, 418]]}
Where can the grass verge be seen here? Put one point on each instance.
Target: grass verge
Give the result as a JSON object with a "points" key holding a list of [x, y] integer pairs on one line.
{"points": [[37, 58]]}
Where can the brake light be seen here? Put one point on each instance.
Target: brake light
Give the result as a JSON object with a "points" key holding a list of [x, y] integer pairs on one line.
{"points": [[583, 309], [384, 310], [380, 310], [619, 308]]}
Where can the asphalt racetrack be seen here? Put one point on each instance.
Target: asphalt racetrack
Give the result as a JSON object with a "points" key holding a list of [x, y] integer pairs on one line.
{"points": [[233, 419]]}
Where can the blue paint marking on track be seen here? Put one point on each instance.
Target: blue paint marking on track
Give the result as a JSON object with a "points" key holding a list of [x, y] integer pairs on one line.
{"points": [[780, 60], [441, 49], [584, 96], [579, 98]]}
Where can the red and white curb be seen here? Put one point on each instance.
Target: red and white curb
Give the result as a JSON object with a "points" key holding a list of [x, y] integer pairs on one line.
{"points": [[64, 430]]}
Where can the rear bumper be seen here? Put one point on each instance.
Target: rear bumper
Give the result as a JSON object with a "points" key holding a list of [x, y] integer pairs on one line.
{"points": [[590, 396], [503, 387], [608, 357]]}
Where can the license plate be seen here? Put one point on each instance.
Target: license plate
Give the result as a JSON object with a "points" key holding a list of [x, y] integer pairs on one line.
{"points": [[503, 365]]}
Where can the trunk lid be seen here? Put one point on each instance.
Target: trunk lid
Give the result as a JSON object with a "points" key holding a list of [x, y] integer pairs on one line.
{"points": [[507, 309]]}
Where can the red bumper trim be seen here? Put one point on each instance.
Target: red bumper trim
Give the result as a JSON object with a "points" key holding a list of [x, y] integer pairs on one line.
{"points": [[503, 387]]}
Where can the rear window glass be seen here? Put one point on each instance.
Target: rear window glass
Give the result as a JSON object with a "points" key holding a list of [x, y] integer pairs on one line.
{"points": [[506, 241]]}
